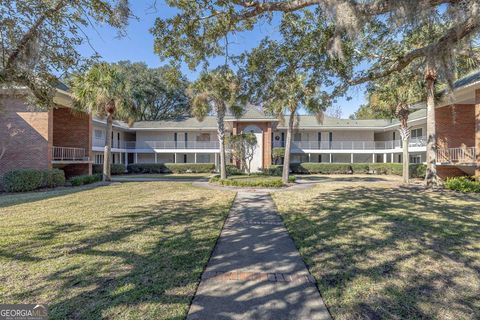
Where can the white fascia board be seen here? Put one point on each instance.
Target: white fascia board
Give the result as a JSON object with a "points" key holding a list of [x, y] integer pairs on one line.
{"points": [[175, 129]]}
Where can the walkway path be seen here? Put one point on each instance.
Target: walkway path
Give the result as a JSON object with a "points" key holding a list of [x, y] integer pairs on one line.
{"points": [[255, 271]]}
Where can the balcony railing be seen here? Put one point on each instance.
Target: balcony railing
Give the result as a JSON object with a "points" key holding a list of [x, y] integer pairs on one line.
{"points": [[69, 154], [115, 144], [179, 145], [456, 155], [352, 145]]}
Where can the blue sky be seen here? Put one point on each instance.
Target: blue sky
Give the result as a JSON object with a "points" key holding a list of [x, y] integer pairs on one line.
{"points": [[137, 45]]}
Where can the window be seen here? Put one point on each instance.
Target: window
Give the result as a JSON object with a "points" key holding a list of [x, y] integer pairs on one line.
{"points": [[98, 158], [416, 133], [297, 136], [118, 139], [98, 134], [203, 137], [415, 158], [203, 158]]}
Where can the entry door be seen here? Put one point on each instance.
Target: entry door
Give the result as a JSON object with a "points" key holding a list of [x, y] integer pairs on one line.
{"points": [[257, 161]]}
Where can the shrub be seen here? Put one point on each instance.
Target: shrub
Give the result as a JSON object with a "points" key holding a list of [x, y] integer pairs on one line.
{"points": [[252, 181], [85, 179], [53, 178], [232, 170], [326, 168], [171, 167], [463, 184], [273, 170], [22, 180], [386, 168], [114, 168], [418, 170], [360, 167]]}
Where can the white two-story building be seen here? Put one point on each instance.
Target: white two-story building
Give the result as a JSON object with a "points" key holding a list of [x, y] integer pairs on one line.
{"points": [[333, 140]]}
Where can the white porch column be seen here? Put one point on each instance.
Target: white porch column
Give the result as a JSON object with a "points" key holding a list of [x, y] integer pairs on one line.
{"points": [[309, 157], [330, 157], [373, 157], [126, 160], [156, 158], [351, 157], [175, 155], [216, 161], [393, 158], [384, 158], [136, 157], [195, 157]]}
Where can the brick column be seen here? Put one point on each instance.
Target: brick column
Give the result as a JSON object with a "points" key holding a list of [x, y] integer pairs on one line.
{"points": [[267, 145], [477, 131]]}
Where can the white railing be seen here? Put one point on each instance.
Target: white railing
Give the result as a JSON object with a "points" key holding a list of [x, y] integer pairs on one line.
{"points": [[69, 154], [352, 145], [456, 155], [178, 145], [115, 144]]}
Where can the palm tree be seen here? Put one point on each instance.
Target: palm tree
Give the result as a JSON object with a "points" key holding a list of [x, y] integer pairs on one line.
{"points": [[393, 97], [101, 91], [217, 92]]}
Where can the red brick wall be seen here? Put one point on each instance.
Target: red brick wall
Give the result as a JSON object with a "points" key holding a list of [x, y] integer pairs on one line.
{"points": [[477, 130], [71, 129], [77, 169], [455, 125], [26, 134], [449, 171]]}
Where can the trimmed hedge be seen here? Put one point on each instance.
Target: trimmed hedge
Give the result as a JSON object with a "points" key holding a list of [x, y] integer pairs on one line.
{"points": [[232, 170], [463, 184], [416, 170], [114, 169], [171, 168], [85, 179], [23, 180], [252, 181], [53, 178]]}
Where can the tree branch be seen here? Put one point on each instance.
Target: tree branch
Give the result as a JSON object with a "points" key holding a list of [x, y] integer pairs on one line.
{"points": [[452, 36]]}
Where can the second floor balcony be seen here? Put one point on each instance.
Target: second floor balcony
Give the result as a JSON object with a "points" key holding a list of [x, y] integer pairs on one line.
{"points": [[352, 145], [159, 145]]}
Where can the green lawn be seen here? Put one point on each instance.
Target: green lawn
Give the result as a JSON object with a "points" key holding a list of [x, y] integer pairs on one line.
{"points": [[382, 252], [124, 251]]}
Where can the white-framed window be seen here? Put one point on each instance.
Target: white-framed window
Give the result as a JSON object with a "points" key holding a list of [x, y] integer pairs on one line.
{"points": [[416, 158], [99, 158], [98, 134], [416, 133]]}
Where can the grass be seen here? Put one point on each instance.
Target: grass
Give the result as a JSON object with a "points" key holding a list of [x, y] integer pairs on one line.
{"points": [[262, 181], [176, 176], [123, 251], [383, 252]]}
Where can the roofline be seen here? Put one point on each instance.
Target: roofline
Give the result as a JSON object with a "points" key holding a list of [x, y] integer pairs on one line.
{"points": [[253, 120]]}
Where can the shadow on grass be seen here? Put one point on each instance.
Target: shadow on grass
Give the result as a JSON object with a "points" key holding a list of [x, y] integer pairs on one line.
{"points": [[391, 253], [345, 178], [145, 265], [11, 199]]}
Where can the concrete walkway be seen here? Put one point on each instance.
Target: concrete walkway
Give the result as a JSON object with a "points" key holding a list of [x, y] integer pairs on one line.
{"points": [[255, 271]]}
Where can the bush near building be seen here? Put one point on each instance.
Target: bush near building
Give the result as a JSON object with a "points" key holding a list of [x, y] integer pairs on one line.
{"points": [[23, 180], [85, 179], [171, 168], [416, 170], [115, 169], [463, 184]]}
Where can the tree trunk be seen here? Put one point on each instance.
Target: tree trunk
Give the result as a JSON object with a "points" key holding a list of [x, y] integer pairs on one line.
{"points": [[221, 140], [107, 149], [431, 179], [288, 143], [406, 158]]}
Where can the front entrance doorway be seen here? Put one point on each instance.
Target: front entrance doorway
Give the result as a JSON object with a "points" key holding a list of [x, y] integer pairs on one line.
{"points": [[257, 161]]}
